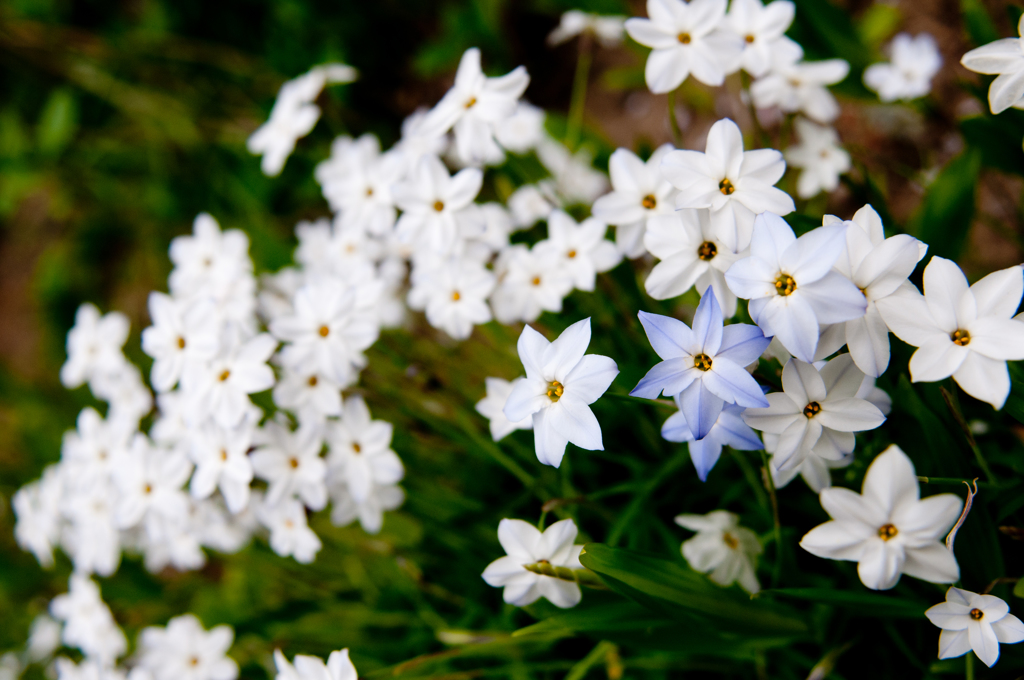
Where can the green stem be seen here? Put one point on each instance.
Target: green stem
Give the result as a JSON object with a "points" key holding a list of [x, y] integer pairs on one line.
{"points": [[969, 666], [583, 577], [769, 484], [579, 94], [677, 133], [948, 480], [954, 408]]}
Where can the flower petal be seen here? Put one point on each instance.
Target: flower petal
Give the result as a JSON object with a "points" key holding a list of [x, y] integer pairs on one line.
{"points": [[880, 565], [670, 338], [700, 407]]}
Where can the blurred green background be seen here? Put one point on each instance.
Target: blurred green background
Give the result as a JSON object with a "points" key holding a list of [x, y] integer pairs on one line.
{"points": [[120, 121]]}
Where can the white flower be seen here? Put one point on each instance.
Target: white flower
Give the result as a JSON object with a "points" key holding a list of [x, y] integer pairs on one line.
{"points": [[185, 651], [790, 283], [580, 250], [94, 346], [221, 388], [312, 396], [91, 538], [434, 205], [209, 261], [91, 452], [559, 387], [526, 545], [972, 621], [43, 638], [639, 193], [86, 670], [88, 624], [704, 366], [607, 29], [960, 331], [529, 205], [183, 332], [692, 256], [817, 413], [338, 667], [887, 529], [722, 548], [915, 61], [763, 29], [734, 184], [453, 292], [129, 398], [359, 451], [37, 508], [575, 178], [290, 462], [294, 115], [420, 138], [523, 130], [149, 481], [879, 267], [727, 430], [492, 407], [1005, 59], [290, 535], [332, 324], [819, 156], [222, 461], [474, 105], [363, 193], [794, 85], [687, 39], [370, 512], [530, 282]]}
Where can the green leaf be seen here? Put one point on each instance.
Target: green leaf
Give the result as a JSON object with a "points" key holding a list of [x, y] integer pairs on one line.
{"points": [[58, 122], [687, 596], [945, 215], [612, 616], [825, 30], [979, 24], [1015, 401], [878, 22], [1018, 590], [873, 604], [998, 139]]}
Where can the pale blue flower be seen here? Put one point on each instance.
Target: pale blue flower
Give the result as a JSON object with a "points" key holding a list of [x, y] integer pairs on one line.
{"points": [[728, 430], [703, 367]]}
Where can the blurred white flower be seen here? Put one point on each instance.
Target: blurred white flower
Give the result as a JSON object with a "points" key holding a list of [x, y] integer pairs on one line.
{"points": [[370, 511], [607, 29], [686, 39], [184, 650], [88, 623], [43, 638], [434, 205], [523, 130], [795, 86], [149, 482], [529, 282], [970, 621], [94, 346], [819, 156], [338, 667], [722, 548], [453, 292], [915, 61], [887, 529], [1005, 59], [559, 387], [222, 462], [492, 407], [221, 388], [359, 451], [763, 30], [290, 535], [290, 462], [736, 185], [580, 250], [526, 545], [959, 330], [183, 332]]}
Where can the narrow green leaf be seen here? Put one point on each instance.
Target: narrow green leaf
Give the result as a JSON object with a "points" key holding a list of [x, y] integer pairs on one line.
{"points": [[945, 215], [666, 586], [1018, 589], [873, 604], [998, 140], [612, 616]]}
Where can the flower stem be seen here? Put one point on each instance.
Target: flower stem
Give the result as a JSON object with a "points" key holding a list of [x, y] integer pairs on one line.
{"points": [[969, 666], [677, 133], [954, 408], [769, 484], [584, 577], [579, 94]]}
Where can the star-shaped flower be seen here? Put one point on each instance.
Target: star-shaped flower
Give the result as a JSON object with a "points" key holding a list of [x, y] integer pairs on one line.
{"points": [[972, 621], [526, 545]]}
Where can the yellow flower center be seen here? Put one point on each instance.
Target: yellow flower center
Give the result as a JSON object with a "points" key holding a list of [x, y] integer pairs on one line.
{"points": [[456, 296], [702, 362], [356, 448], [977, 614], [730, 540], [812, 409], [555, 390], [749, 38], [438, 205], [785, 284], [181, 342], [649, 202], [471, 102], [536, 281], [294, 462], [887, 532], [312, 381], [571, 254], [684, 38], [324, 331], [726, 187], [961, 337], [224, 375], [707, 251]]}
